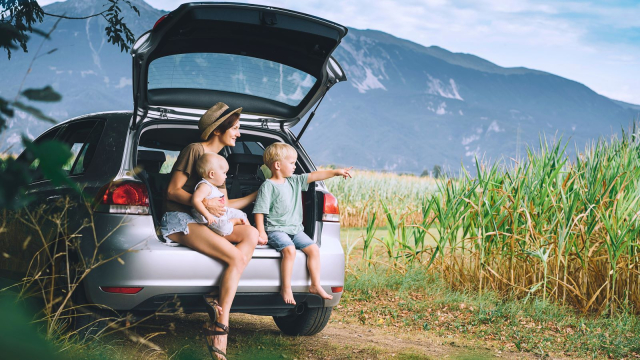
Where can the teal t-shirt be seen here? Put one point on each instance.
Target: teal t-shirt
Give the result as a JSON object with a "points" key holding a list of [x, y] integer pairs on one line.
{"points": [[282, 204]]}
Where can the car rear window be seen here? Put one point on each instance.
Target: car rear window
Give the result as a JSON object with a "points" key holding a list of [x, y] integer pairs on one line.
{"points": [[231, 73]]}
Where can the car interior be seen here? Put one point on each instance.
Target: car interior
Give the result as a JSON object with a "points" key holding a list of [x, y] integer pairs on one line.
{"points": [[158, 149]]}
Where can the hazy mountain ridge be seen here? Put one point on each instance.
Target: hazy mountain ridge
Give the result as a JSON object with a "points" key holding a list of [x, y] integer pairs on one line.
{"points": [[405, 107]]}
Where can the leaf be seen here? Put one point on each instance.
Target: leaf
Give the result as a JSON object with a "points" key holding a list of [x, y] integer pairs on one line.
{"points": [[34, 111], [18, 16], [46, 94], [6, 110], [14, 176], [9, 35], [52, 155]]}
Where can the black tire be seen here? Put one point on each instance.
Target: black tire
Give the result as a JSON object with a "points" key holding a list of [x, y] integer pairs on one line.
{"points": [[305, 322]]}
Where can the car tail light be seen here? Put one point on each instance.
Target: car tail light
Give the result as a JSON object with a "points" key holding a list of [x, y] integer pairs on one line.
{"points": [[330, 210], [336, 289], [128, 197], [120, 290], [160, 20]]}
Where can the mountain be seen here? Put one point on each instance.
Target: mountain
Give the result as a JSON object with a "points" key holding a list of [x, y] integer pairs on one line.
{"points": [[406, 107]]}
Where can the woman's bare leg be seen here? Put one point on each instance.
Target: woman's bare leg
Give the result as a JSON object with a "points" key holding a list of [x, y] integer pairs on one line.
{"points": [[205, 241], [246, 238]]}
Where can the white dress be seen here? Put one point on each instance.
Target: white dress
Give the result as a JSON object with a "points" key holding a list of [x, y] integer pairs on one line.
{"points": [[222, 226]]}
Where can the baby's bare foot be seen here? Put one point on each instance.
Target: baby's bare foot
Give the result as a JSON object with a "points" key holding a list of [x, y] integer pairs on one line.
{"points": [[287, 295], [318, 290]]}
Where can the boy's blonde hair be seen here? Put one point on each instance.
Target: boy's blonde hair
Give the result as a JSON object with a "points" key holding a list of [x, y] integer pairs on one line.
{"points": [[277, 152], [209, 162]]}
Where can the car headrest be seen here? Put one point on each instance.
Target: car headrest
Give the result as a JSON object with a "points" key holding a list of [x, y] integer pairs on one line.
{"points": [[244, 163], [245, 159]]}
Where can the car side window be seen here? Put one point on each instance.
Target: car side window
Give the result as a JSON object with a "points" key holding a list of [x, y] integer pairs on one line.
{"points": [[82, 137]]}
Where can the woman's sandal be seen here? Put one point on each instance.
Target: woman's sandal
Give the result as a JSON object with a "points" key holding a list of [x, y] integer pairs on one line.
{"points": [[214, 351], [211, 305]]}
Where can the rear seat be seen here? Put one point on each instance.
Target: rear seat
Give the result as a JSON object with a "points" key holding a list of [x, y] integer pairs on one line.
{"points": [[244, 177]]}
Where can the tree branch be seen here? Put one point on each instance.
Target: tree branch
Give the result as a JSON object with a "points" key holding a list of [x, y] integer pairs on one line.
{"points": [[75, 18]]}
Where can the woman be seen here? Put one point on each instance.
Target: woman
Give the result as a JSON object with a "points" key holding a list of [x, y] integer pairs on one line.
{"points": [[220, 128]]}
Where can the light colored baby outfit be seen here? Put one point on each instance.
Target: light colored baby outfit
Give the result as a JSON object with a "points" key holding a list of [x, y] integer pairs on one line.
{"points": [[222, 226]]}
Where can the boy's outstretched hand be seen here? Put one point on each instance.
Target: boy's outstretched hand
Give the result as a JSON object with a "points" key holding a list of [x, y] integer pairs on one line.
{"points": [[343, 172]]}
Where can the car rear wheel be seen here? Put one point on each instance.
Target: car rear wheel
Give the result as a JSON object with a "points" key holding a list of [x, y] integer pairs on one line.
{"points": [[304, 321]]}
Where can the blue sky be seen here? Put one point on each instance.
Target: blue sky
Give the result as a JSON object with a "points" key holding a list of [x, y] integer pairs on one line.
{"points": [[596, 43]]}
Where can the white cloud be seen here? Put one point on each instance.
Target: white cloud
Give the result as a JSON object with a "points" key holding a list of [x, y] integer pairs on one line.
{"points": [[123, 82]]}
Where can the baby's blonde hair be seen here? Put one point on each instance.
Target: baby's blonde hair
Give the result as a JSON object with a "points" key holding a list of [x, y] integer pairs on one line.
{"points": [[277, 152], [209, 162]]}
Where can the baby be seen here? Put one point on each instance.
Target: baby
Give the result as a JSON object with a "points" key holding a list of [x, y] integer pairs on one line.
{"points": [[278, 214], [213, 169]]}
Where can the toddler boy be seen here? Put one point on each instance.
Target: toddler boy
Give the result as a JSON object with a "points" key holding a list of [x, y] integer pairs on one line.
{"points": [[279, 198]]}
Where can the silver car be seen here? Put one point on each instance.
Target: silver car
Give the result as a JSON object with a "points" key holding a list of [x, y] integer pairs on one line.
{"points": [[274, 63]]}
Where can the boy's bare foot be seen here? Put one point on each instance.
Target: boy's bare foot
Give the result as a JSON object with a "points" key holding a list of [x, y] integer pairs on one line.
{"points": [[287, 295], [318, 290]]}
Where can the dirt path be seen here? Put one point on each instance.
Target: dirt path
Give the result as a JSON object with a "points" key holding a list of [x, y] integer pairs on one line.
{"points": [[257, 337]]}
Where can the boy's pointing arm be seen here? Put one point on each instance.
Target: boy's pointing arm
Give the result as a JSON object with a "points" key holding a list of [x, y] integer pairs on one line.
{"points": [[326, 174]]}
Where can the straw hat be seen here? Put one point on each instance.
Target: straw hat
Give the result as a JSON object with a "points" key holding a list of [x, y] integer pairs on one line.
{"points": [[214, 117]]}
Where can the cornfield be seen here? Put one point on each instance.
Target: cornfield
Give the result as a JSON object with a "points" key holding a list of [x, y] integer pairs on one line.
{"points": [[368, 190], [563, 230]]}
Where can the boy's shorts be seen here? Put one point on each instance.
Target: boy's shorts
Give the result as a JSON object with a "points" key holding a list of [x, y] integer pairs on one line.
{"points": [[280, 240]]}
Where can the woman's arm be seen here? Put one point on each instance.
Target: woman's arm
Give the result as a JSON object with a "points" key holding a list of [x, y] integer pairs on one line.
{"points": [[240, 203], [175, 191], [177, 194]]}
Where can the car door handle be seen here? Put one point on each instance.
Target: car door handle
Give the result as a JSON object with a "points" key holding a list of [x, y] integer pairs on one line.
{"points": [[54, 197]]}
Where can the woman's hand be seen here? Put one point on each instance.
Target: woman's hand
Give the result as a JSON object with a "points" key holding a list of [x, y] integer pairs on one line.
{"points": [[214, 206]]}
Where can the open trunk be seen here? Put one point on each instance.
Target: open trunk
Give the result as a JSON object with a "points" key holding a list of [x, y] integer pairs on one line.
{"points": [[160, 144]]}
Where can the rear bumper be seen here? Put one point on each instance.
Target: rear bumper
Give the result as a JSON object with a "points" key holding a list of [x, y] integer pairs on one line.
{"points": [[270, 304], [164, 271]]}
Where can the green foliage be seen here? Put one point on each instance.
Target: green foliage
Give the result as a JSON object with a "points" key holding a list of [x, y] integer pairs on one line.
{"points": [[116, 28], [19, 338], [14, 176], [17, 18], [33, 111], [46, 94], [52, 155], [437, 171], [5, 111], [46, 159], [567, 231]]}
